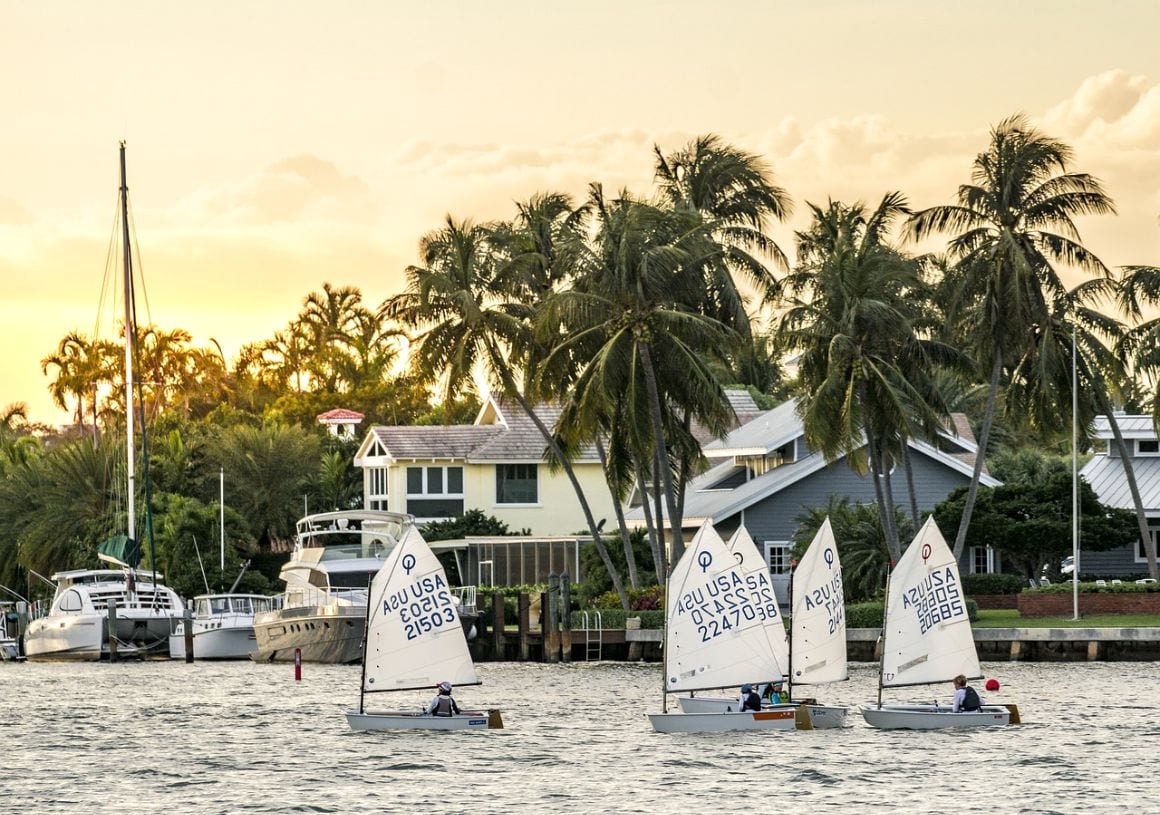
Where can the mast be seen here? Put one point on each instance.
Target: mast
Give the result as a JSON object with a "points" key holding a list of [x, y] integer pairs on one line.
{"points": [[222, 508], [127, 268], [789, 639], [362, 685], [1074, 486], [882, 638]]}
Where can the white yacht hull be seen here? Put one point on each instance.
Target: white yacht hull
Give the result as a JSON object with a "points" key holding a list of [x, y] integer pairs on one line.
{"points": [[219, 643], [932, 717], [399, 720], [331, 634], [785, 718], [824, 717], [73, 636]]}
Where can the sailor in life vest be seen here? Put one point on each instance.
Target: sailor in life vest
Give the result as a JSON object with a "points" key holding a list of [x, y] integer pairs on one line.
{"points": [[442, 704], [749, 699], [966, 698]]}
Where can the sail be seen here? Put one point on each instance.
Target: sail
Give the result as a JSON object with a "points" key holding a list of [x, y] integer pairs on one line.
{"points": [[715, 616], [818, 626], [752, 563], [927, 634], [121, 550], [414, 635]]}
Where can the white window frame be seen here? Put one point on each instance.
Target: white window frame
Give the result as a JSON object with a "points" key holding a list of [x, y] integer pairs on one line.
{"points": [[1149, 453], [536, 468], [783, 547], [378, 481], [990, 559]]}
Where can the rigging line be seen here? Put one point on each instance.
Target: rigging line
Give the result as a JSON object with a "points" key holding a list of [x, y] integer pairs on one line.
{"points": [[110, 268], [140, 267]]}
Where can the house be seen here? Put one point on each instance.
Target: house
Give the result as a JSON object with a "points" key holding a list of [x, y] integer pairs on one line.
{"points": [[1105, 473], [340, 422], [496, 465], [764, 474]]}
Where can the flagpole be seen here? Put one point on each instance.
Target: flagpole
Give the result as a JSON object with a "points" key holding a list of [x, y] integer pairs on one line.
{"points": [[1074, 484]]}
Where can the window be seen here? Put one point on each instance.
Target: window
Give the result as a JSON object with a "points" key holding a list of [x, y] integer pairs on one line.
{"points": [[435, 492], [1147, 447], [71, 601], [777, 556], [1141, 555], [376, 488], [982, 560], [517, 484]]}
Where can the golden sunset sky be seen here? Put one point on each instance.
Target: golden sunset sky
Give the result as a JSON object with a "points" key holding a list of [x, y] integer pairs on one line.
{"points": [[274, 146]]}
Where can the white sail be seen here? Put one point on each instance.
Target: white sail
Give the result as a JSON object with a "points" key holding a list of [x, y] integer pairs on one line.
{"points": [[818, 625], [928, 634], [715, 617], [414, 636], [744, 549]]}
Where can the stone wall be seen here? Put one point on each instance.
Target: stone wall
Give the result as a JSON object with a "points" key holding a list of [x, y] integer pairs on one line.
{"points": [[1034, 604]]}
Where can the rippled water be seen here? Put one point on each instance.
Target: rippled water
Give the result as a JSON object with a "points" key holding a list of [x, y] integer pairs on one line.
{"points": [[244, 738]]}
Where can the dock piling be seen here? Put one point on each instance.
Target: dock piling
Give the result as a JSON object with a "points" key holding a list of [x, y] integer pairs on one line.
{"points": [[111, 633], [187, 621], [497, 617], [525, 613], [565, 618]]}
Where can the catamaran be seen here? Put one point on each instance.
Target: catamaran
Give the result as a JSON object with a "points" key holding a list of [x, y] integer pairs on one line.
{"points": [[74, 626], [716, 636], [815, 651], [414, 641], [927, 639]]}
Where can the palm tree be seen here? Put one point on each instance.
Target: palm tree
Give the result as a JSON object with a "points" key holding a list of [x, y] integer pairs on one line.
{"points": [[637, 286], [854, 302], [1012, 227], [458, 298], [82, 366], [330, 319]]}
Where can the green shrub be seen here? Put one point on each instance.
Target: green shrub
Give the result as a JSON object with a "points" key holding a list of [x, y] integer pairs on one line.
{"points": [[869, 615], [614, 618], [1122, 588], [648, 598], [974, 584]]}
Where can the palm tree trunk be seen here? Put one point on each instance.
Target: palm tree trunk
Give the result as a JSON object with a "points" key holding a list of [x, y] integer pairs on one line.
{"points": [[653, 538], [885, 507], [685, 467], [907, 461], [625, 539], [558, 454], [981, 455], [1133, 487], [659, 515], [650, 379]]}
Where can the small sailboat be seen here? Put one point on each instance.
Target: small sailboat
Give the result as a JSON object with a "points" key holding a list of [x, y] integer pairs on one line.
{"points": [[815, 651], [414, 640], [716, 636], [927, 639]]}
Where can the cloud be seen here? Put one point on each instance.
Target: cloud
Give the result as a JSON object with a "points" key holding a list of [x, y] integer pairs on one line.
{"points": [[291, 190], [12, 213]]}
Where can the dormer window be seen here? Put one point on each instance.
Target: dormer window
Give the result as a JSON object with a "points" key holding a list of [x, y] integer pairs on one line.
{"points": [[1147, 447]]}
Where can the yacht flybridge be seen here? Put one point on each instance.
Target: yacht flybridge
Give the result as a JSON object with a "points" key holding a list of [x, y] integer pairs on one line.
{"points": [[323, 610]]}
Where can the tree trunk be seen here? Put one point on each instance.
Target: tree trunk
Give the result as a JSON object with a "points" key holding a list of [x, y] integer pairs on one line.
{"points": [[625, 539], [907, 460], [558, 454], [650, 379], [659, 515], [653, 538], [980, 456], [885, 510], [1133, 487], [683, 472]]}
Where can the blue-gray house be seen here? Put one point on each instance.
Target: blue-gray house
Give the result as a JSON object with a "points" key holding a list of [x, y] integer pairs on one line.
{"points": [[1105, 473], [763, 475]]}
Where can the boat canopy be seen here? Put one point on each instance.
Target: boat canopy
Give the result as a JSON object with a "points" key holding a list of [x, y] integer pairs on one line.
{"points": [[122, 550]]}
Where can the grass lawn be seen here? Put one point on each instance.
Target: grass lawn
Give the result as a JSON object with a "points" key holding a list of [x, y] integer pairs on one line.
{"points": [[1009, 618]]}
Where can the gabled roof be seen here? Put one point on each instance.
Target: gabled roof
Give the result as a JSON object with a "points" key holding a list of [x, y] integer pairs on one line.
{"points": [[1106, 475], [760, 437], [340, 415], [427, 442], [519, 439], [1131, 427]]}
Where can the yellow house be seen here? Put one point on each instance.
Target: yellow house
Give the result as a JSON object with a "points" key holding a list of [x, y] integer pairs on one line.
{"points": [[496, 465]]}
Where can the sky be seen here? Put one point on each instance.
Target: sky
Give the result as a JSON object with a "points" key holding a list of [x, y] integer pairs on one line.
{"points": [[275, 146]]}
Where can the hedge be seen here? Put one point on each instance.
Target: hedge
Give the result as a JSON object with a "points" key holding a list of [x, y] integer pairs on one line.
{"points": [[1122, 588], [613, 618], [869, 615], [993, 584]]}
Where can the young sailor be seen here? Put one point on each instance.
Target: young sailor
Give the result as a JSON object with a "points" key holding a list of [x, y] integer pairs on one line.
{"points": [[749, 699], [966, 698], [442, 704]]}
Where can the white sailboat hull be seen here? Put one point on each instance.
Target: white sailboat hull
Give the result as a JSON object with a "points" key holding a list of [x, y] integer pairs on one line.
{"points": [[824, 717], [73, 636], [400, 720], [932, 717], [781, 719]]}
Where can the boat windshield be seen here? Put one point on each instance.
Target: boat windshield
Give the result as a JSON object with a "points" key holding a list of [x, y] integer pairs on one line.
{"points": [[351, 580]]}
